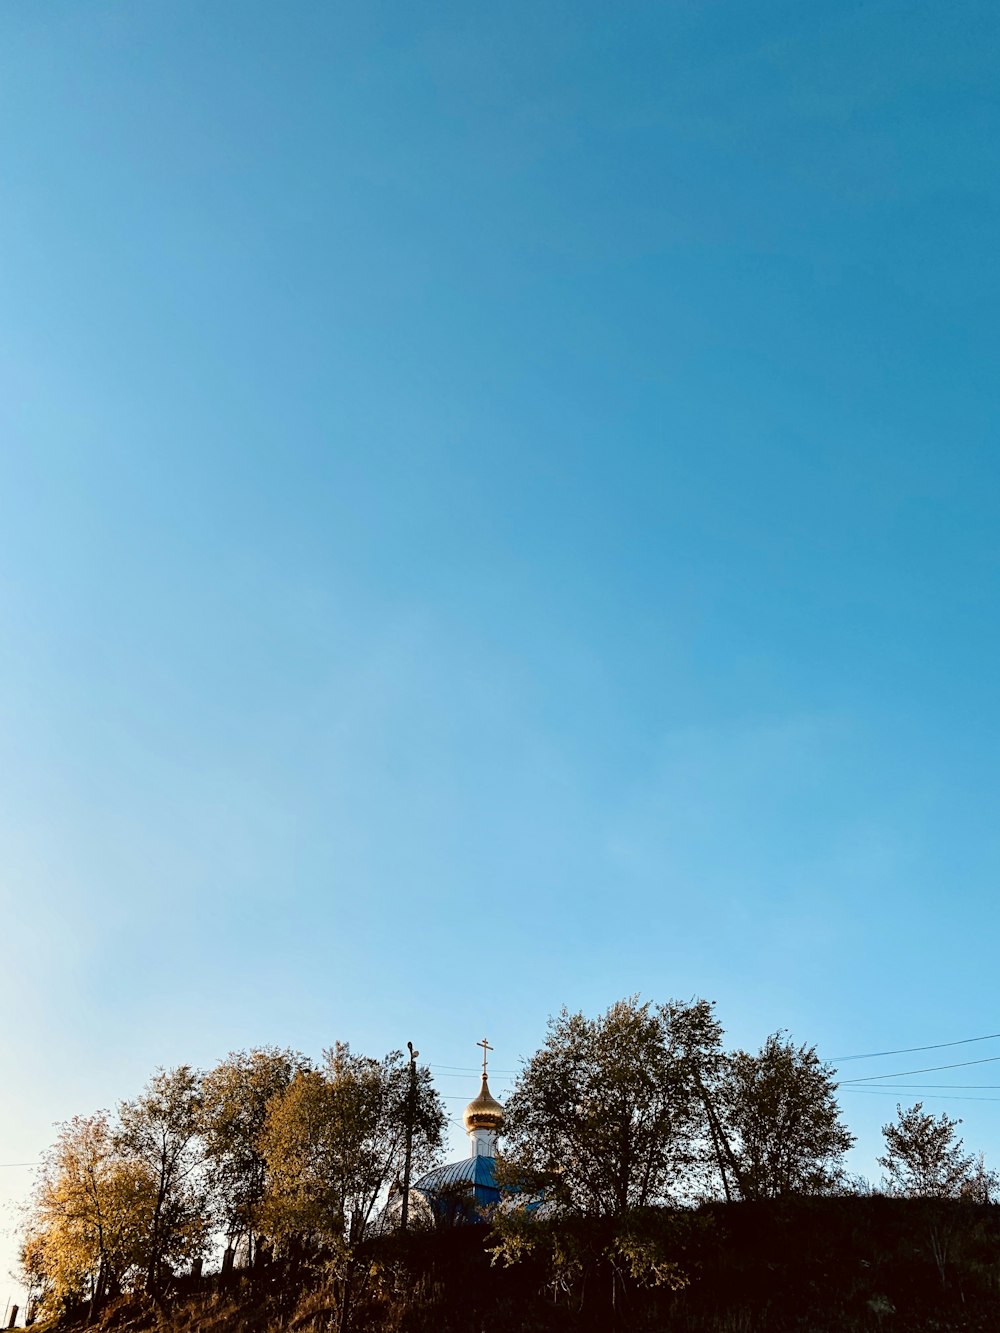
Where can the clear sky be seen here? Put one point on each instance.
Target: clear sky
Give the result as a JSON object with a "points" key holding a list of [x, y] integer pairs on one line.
{"points": [[498, 509]]}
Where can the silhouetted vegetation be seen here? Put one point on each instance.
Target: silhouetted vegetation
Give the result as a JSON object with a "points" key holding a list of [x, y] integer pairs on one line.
{"points": [[654, 1181], [819, 1264]]}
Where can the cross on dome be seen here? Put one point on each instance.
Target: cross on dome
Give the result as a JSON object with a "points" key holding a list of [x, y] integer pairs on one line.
{"points": [[486, 1047], [484, 1115]]}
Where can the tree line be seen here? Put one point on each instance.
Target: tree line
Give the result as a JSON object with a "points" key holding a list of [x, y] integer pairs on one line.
{"points": [[638, 1108], [265, 1149]]}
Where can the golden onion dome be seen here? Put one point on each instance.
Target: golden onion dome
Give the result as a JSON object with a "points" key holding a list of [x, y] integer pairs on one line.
{"points": [[484, 1112]]}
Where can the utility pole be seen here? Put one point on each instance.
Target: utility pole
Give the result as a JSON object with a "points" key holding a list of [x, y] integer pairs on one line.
{"points": [[411, 1107]]}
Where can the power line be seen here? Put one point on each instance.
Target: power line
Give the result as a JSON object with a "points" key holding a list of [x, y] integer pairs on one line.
{"points": [[916, 1087], [468, 1069], [908, 1050], [461, 1097], [931, 1069], [930, 1096], [438, 1073], [837, 1059]]}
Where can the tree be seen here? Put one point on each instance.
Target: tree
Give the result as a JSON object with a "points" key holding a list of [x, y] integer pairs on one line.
{"points": [[696, 1041], [982, 1184], [780, 1121], [607, 1113], [158, 1134], [235, 1099], [88, 1222], [302, 1146], [925, 1159], [333, 1141]]}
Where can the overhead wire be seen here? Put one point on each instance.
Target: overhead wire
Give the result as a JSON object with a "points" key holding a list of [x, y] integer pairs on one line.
{"points": [[916, 1087], [460, 1097], [929, 1069], [909, 1050], [500, 1073], [922, 1096], [837, 1059], [469, 1069]]}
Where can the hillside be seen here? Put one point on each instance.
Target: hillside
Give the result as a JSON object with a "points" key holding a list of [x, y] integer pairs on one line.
{"points": [[864, 1263]]}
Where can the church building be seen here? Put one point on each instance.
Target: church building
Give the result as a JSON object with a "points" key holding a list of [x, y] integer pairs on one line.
{"points": [[463, 1191]]}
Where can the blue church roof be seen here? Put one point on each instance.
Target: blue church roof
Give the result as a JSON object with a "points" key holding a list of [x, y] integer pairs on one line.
{"points": [[460, 1190]]}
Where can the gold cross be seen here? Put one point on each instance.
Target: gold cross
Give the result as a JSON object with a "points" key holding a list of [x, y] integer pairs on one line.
{"points": [[486, 1047]]}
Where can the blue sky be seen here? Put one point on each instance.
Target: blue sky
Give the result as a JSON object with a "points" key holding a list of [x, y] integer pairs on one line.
{"points": [[498, 509]]}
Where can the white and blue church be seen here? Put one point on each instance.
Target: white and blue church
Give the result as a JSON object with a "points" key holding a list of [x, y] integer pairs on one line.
{"points": [[464, 1191]]}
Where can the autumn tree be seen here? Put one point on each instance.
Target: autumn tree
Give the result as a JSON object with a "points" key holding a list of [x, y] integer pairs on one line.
{"points": [[235, 1099], [334, 1141], [88, 1222], [159, 1135], [925, 1158], [606, 1115], [780, 1120]]}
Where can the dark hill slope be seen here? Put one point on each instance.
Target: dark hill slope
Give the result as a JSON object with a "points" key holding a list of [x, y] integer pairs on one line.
{"points": [[821, 1265]]}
